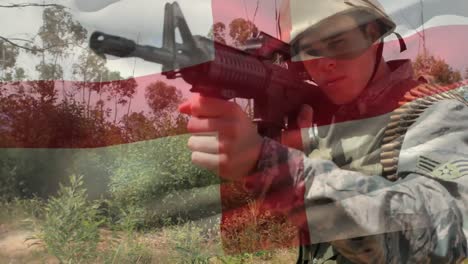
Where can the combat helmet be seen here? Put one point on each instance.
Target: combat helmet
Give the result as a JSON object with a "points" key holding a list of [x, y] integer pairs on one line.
{"points": [[299, 17]]}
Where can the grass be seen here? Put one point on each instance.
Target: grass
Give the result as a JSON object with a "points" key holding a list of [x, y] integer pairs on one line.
{"points": [[188, 243], [69, 228], [162, 246]]}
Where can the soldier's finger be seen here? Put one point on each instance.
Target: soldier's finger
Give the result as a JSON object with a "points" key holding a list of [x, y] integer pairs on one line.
{"points": [[292, 139], [203, 106], [206, 160], [185, 107], [210, 125], [305, 117], [204, 143]]}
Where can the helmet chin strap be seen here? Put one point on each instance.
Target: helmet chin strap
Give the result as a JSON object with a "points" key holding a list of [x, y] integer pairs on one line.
{"points": [[378, 59], [379, 55]]}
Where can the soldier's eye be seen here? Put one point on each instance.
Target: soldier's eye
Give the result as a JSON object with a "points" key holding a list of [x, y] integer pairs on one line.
{"points": [[337, 45], [312, 52]]}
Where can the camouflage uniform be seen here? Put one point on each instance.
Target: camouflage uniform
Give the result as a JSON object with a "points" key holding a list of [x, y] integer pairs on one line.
{"points": [[365, 207]]}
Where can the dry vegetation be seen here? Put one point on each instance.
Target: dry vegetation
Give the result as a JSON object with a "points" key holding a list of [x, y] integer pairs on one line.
{"points": [[61, 230]]}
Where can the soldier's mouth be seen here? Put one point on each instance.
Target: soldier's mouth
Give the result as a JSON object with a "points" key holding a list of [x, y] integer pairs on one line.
{"points": [[333, 81]]}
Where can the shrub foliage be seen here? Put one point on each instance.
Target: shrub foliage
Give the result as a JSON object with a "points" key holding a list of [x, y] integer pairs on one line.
{"points": [[70, 230]]}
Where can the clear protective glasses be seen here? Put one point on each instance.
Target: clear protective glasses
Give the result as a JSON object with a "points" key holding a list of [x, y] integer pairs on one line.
{"points": [[342, 46]]}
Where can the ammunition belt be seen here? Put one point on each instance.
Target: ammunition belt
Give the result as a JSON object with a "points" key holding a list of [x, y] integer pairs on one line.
{"points": [[412, 105]]}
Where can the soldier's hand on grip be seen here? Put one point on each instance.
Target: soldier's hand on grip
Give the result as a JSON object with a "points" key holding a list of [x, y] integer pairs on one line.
{"points": [[224, 138], [293, 138]]}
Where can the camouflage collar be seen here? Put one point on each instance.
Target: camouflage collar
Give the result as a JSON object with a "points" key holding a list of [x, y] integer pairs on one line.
{"points": [[383, 94], [401, 70]]}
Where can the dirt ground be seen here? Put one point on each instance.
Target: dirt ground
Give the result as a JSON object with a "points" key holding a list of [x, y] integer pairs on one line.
{"points": [[16, 248]]}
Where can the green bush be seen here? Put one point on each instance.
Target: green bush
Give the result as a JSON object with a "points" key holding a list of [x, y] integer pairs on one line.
{"points": [[158, 177], [26, 173], [124, 248], [9, 182], [16, 211], [70, 229], [190, 244]]}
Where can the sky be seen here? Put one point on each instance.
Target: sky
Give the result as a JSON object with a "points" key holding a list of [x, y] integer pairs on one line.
{"points": [[135, 19], [142, 21]]}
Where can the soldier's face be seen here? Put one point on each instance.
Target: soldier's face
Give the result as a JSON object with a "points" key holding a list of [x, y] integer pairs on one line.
{"points": [[343, 62]]}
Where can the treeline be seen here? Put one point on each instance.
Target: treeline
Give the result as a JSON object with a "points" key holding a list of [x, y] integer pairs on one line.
{"points": [[92, 110], [50, 129]]}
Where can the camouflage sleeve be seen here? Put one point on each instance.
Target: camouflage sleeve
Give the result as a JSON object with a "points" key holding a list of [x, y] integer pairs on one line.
{"points": [[420, 218]]}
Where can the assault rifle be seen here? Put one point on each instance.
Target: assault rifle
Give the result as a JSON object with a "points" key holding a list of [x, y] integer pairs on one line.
{"points": [[262, 71]]}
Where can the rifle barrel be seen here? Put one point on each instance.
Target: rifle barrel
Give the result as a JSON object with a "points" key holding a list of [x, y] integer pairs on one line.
{"points": [[102, 43]]}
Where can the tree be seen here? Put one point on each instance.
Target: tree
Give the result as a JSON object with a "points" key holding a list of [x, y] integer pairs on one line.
{"points": [[163, 100], [90, 69], [436, 68], [138, 127], [59, 35], [240, 30], [162, 97], [15, 41], [60, 31], [10, 72], [31, 114], [8, 55], [120, 90], [130, 86], [218, 32]]}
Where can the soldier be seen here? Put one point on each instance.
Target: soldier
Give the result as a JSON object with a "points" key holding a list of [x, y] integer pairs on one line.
{"points": [[383, 173]]}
